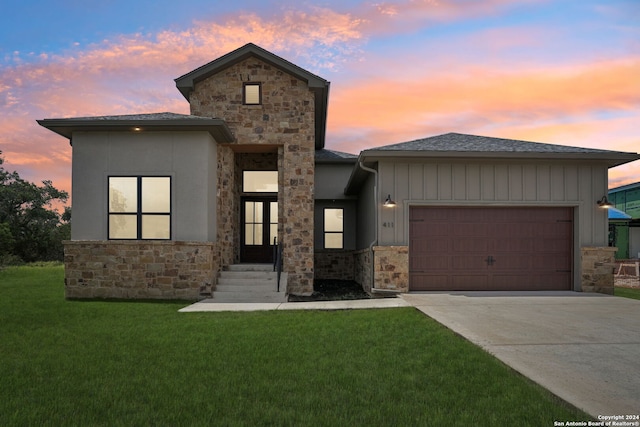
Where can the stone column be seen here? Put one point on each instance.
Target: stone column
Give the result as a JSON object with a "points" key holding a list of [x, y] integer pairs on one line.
{"points": [[297, 199], [598, 264], [391, 268]]}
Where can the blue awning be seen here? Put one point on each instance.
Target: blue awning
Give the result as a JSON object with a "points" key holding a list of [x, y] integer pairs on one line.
{"points": [[617, 214]]}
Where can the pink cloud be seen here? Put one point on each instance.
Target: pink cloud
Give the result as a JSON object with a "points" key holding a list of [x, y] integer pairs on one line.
{"points": [[413, 95], [483, 95], [134, 73], [408, 15]]}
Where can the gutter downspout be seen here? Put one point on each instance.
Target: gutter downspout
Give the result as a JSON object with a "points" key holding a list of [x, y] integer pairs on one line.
{"points": [[375, 202]]}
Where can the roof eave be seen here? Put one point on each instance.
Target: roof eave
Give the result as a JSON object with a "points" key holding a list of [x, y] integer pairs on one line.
{"points": [[611, 158], [217, 128], [357, 178]]}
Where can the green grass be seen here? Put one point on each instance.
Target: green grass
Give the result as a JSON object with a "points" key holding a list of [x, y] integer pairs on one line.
{"points": [[627, 292], [80, 363]]}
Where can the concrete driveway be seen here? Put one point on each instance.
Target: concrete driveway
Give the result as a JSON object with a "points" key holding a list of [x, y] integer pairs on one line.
{"points": [[585, 348]]}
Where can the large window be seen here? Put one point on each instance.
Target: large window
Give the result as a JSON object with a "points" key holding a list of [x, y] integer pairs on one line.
{"points": [[260, 181], [140, 207], [333, 228]]}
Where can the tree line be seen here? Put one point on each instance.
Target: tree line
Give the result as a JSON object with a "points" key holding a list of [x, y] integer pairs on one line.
{"points": [[31, 229]]}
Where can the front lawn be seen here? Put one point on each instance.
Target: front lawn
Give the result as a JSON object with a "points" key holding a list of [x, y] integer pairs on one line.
{"points": [[132, 363], [627, 292]]}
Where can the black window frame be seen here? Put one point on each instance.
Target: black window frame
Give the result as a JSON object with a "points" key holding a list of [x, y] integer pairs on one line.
{"points": [[324, 228], [139, 214], [244, 92]]}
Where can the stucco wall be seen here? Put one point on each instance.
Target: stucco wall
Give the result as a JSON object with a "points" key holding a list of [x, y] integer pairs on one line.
{"points": [[188, 157], [331, 179], [366, 214]]}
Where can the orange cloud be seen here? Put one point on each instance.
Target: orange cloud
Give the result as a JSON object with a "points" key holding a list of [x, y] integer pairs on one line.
{"points": [[483, 90], [415, 93], [135, 73], [590, 104]]}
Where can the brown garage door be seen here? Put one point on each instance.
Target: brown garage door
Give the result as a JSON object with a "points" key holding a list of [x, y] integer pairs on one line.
{"points": [[458, 248]]}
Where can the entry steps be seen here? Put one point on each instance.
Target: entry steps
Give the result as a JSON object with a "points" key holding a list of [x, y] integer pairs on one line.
{"points": [[250, 283]]}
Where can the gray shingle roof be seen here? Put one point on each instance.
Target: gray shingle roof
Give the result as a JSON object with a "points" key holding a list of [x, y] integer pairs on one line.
{"points": [[142, 117], [457, 142], [140, 122], [331, 156]]}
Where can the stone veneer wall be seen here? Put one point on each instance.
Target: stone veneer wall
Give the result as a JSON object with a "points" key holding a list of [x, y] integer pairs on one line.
{"points": [[283, 123], [391, 268], [139, 269], [362, 268], [227, 208], [334, 264], [598, 264]]}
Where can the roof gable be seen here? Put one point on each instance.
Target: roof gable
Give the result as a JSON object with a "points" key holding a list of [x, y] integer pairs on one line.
{"points": [[185, 83], [318, 85]]}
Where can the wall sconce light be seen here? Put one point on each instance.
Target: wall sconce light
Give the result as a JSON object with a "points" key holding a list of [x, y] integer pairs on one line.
{"points": [[389, 203], [604, 203]]}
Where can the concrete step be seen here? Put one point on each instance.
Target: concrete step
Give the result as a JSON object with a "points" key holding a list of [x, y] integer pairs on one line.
{"points": [[226, 287], [251, 267], [250, 283], [247, 275]]}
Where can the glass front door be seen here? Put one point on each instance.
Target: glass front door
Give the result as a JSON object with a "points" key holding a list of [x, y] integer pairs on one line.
{"points": [[259, 229]]}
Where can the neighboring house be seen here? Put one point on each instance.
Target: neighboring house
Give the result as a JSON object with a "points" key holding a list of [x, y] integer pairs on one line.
{"points": [[625, 232], [162, 203]]}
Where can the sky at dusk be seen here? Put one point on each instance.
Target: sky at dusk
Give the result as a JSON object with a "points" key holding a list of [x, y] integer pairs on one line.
{"points": [[561, 72]]}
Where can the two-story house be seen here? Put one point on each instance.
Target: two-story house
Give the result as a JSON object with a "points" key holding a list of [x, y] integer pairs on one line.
{"points": [[164, 203]]}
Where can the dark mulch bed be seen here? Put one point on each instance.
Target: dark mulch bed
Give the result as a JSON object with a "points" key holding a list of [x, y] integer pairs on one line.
{"points": [[332, 290]]}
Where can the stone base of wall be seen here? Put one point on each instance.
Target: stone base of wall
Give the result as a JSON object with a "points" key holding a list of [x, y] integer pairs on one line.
{"points": [[334, 265], [598, 264], [391, 268], [362, 268], [139, 270]]}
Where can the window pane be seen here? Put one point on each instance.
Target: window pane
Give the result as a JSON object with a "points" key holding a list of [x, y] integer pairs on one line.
{"points": [[273, 232], [123, 194], [156, 194], [333, 240], [333, 220], [258, 212], [248, 234], [156, 227], [248, 211], [123, 226], [273, 212], [260, 181], [252, 94], [257, 234]]}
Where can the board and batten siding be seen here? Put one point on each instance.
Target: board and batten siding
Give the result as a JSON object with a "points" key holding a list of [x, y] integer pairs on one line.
{"points": [[454, 183]]}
